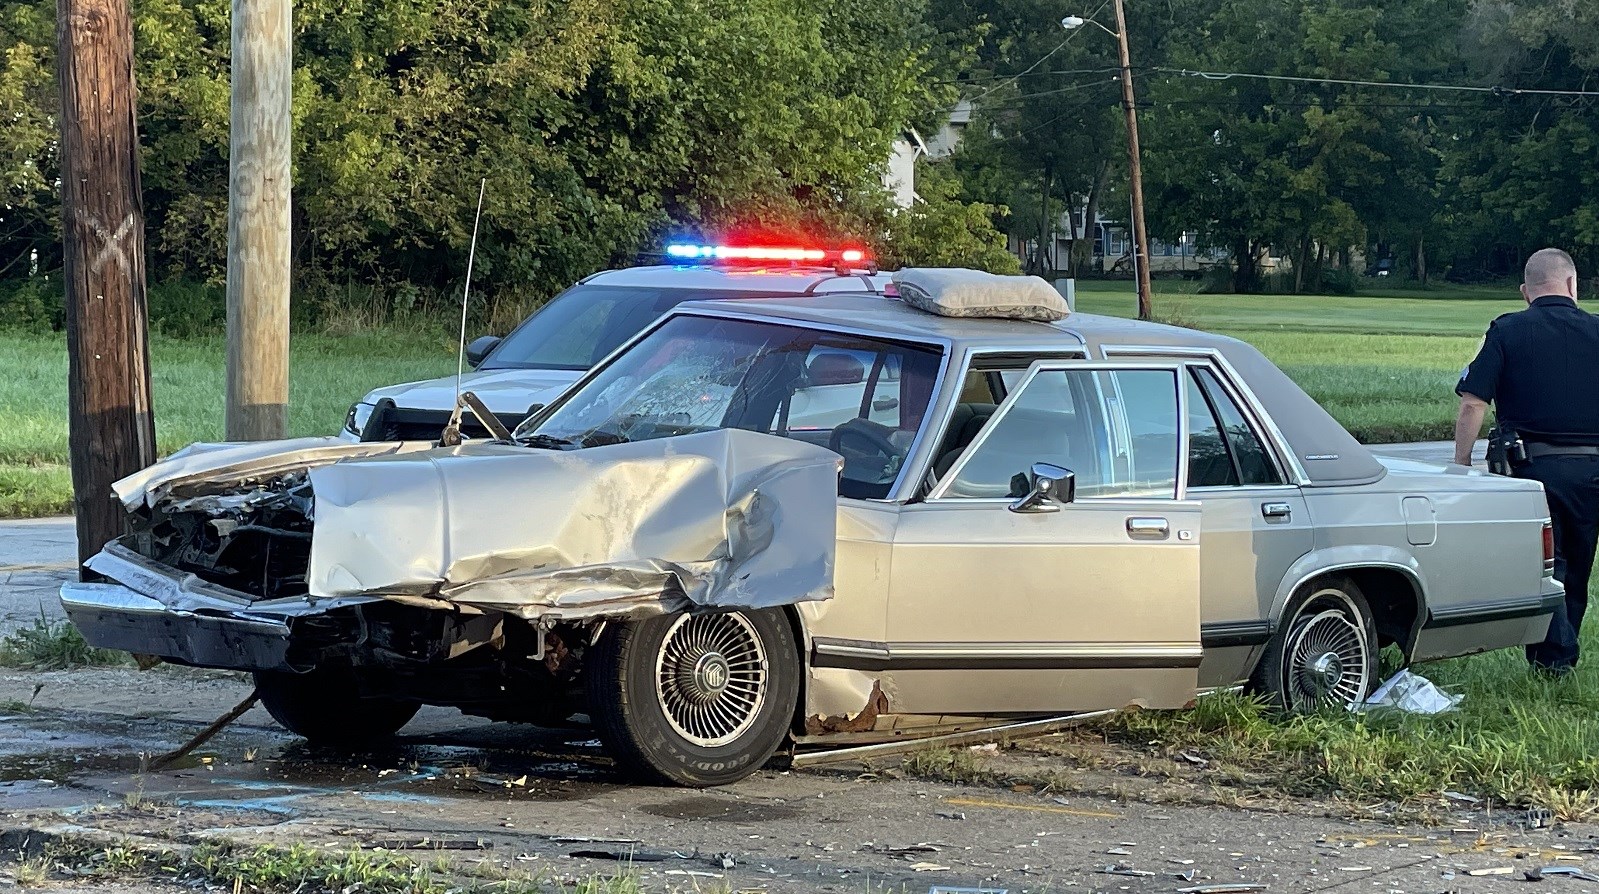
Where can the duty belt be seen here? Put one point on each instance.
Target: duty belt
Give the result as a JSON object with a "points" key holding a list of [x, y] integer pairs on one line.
{"points": [[1536, 450]]}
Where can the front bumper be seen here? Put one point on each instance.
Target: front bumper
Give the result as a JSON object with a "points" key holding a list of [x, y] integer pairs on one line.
{"points": [[151, 609], [112, 616]]}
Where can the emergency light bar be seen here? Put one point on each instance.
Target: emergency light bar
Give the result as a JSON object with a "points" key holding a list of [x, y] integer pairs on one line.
{"points": [[688, 252]]}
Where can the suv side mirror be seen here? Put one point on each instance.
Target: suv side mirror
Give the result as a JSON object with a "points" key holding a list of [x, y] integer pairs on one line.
{"points": [[480, 348], [1052, 486]]}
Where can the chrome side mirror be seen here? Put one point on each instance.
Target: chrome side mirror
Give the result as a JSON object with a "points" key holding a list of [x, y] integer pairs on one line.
{"points": [[1052, 486]]}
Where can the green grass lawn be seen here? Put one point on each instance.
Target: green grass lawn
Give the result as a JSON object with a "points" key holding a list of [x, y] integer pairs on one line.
{"points": [[327, 374], [1383, 365]]}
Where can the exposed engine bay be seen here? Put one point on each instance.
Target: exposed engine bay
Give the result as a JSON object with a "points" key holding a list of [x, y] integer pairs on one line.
{"points": [[255, 539]]}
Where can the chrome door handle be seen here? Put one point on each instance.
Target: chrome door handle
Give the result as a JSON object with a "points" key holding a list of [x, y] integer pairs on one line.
{"points": [[1276, 510], [1148, 528]]}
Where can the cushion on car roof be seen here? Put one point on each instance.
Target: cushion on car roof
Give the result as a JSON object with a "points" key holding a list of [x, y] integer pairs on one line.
{"points": [[973, 293]]}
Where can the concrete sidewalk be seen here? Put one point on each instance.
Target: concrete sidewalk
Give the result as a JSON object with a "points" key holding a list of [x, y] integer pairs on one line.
{"points": [[36, 556]]}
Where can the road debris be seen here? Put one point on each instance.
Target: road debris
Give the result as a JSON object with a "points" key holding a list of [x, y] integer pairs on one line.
{"points": [[627, 856], [204, 735], [1194, 759], [1226, 888], [1463, 798], [1576, 872], [946, 889], [1492, 870], [1008, 732], [905, 850], [929, 867], [950, 814], [1411, 693], [1123, 869], [435, 844]]}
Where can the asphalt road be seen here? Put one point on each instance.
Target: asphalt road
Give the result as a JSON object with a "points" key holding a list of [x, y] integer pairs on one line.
{"points": [[548, 803]]}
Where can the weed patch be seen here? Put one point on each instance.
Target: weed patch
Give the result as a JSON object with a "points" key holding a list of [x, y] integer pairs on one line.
{"points": [[301, 869], [961, 766], [53, 645]]}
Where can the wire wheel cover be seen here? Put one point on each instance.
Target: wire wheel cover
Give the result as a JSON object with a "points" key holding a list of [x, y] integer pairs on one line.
{"points": [[1328, 656], [711, 677]]}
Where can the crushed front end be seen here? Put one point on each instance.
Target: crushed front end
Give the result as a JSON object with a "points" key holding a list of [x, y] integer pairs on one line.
{"points": [[474, 577]]}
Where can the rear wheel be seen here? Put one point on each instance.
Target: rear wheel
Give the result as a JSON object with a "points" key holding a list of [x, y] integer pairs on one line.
{"points": [[325, 706], [1325, 653], [696, 700]]}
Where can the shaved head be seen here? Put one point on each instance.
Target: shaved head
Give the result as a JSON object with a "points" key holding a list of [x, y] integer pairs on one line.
{"points": [[1549, 272], [1549, 266]]}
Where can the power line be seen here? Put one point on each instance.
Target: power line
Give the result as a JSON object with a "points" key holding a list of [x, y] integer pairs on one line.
{"points": [[1033, 74], [1041, 59], [1458, 88]]}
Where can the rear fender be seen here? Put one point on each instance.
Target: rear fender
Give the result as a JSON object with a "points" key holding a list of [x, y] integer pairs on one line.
{"points": [[1355, 557]]}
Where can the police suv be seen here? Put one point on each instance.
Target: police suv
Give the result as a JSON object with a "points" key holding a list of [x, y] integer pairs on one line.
{"points": [[552, 348]]}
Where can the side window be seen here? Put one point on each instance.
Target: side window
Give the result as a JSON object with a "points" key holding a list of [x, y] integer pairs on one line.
{"points": [[1115, 429], [1253, 462], [1210, 462], [835, 387]]}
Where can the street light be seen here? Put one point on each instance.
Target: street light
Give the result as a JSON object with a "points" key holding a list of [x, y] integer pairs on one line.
{"points": [[1134, 162]]}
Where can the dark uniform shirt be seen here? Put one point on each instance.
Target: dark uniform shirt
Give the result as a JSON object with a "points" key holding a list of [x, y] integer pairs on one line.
{"points": [[1540, 368]]}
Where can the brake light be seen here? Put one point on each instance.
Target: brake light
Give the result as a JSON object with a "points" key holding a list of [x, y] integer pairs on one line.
{"points": [[1548, 549], [693, 252]]}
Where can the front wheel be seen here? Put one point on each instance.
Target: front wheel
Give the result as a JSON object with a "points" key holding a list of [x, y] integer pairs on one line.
{"points": [[694, 699], [325, 706], [1325, 653]]}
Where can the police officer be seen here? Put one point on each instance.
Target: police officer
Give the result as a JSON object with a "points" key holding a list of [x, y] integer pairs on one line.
{"points": [[1540, 368]]}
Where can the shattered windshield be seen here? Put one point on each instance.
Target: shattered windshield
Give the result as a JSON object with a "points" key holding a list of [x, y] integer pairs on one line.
{"points": [[864, 398]]}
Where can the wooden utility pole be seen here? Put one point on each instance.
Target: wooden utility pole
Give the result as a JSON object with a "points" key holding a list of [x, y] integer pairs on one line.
{"points": [[258, 222], [1135, 168], [111, 430]]}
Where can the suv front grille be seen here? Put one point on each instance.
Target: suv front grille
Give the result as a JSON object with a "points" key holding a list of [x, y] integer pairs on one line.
{"points": [[391, 423]]}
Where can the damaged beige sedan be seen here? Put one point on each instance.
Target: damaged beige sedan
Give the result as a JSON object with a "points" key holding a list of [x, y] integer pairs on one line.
{"points": [[843, 519]]}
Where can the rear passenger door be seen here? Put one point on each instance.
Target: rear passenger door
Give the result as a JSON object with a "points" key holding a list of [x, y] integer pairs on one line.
{"points": [[1256, 525]]}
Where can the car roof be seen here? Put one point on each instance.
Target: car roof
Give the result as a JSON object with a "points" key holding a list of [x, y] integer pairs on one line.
{"points": [[777, 279], [892, 317], [1329, 455]]}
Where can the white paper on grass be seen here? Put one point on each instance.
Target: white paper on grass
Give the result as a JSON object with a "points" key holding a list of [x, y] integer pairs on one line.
{"points": [[1411, 693]]}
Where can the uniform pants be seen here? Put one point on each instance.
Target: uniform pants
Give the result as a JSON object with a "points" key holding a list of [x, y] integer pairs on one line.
{"points": [[1571, 484]]}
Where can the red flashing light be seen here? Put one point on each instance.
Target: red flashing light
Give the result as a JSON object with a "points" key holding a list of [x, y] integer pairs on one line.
{"points": [[690, 252]]}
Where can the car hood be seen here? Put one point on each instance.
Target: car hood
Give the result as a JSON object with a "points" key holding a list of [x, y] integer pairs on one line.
{"points": [[509, 391], [727, 519]]}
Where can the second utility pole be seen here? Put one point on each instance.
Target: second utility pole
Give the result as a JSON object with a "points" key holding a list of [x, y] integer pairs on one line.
{"points": [[258, 222], [1135, 168]]}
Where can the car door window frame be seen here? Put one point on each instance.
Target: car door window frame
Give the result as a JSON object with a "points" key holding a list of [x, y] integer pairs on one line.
{"points": [[1191, 380], [1176, 368], [1260, 422], [1283, 479], [983, 360]]}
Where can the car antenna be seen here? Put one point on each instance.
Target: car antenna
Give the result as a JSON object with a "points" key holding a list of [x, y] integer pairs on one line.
{"points": [[451, 436]]}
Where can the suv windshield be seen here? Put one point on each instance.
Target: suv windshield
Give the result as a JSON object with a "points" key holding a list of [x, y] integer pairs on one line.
{"points": [[582, 325], [863, 398]]}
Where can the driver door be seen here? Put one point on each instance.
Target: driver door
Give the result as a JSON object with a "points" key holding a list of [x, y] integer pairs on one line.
{"points": [[1079, 605]]}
